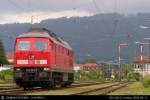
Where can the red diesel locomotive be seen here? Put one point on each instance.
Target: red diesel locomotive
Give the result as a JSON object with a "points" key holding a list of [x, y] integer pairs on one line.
{"points": [[42, 58]]}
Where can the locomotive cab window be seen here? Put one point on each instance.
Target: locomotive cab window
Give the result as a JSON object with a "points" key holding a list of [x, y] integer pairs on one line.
{"points": [[40, 45], [23, 45]]}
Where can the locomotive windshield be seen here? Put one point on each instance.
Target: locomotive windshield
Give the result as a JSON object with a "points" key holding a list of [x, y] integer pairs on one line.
{"points": [[40, 45], [23, 45]]}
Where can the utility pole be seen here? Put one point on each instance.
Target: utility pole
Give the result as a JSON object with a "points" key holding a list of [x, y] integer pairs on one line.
{"points": [[31, 20], [147, 45], [141, 55], [147, 65], [119, 57]]}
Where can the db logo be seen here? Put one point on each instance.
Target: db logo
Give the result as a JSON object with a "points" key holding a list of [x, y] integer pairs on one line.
{"points": [[31, 56]]}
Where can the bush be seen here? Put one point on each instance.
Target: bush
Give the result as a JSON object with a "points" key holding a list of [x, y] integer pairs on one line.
{"points": [[3, 58], [136, 76], [89, 60], [6, 75], [91, 75], [133, 76], [146, 81]]}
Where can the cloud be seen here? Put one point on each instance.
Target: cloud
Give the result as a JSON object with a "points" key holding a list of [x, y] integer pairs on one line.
{"points": [[105, 6], [21, 10], [39, 16], [17, 6]]}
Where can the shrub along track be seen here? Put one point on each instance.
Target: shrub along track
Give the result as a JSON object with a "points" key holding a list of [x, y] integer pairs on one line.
{"points": [[15, 90]]}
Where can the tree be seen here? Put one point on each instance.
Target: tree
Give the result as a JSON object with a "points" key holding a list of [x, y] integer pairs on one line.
{"points": [[89, 75], [3, 59], [89, 60]]}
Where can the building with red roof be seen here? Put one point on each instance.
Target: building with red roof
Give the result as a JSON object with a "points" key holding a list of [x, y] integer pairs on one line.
{"points": [[10, 57], [86, 67], [90, 67]]}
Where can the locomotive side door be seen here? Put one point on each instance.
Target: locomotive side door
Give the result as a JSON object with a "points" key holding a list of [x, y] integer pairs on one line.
{"points": [[53, 53]]}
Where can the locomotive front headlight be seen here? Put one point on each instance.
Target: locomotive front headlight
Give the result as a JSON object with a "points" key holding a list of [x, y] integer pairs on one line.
{"points": [[46, 69], [18, 69]]}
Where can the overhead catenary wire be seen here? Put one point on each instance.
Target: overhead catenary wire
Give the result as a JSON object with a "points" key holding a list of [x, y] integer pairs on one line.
{"points": [[115, 19], [16, 5], [20, 8], [23, 9], [96, 6]]}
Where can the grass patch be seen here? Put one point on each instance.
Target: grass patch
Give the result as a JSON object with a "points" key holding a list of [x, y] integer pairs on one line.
{"points": [[146, 81], [135, 88]]}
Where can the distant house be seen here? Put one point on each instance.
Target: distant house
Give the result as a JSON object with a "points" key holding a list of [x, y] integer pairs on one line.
{"points": [[142, 65], [86, 67], [10, 57], [90, 67]]}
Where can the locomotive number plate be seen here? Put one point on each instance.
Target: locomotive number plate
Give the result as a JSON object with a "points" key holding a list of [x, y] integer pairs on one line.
{"points": [[31, 70], [31, 62]]}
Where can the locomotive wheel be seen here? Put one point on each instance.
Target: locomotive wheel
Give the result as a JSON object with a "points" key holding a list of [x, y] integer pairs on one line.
{"points": [[31, 88], [64, 85], [28, 88], [25, 88], [69, 84], [52, 85], [45, 85]]}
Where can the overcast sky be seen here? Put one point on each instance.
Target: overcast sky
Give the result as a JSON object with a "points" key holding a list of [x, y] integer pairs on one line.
{"points": [[22, 10]]}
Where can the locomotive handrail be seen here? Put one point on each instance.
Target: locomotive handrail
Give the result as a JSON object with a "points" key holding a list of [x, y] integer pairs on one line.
{"points": [[5, 67], [1, 65]]}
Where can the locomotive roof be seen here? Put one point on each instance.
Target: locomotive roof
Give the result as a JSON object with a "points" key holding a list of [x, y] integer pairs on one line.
{"points": [[42, 32]]}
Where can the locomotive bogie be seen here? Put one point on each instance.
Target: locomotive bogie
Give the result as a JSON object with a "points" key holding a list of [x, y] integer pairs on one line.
{"points": [[42, 78]]}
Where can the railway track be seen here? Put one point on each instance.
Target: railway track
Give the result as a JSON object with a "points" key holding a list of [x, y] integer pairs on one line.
{"points": [[103, 90], [19, 91], [88, 84]]}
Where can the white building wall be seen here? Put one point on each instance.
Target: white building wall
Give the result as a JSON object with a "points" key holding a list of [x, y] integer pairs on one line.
{"points": [[142, 69], [77, 68]]}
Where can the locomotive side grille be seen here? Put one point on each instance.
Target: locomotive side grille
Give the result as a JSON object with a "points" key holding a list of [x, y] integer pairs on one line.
{"points": [[31, 73]]}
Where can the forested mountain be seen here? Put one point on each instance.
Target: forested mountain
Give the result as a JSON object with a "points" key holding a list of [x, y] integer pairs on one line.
{"points": [[96, 36]]}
